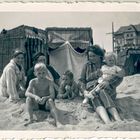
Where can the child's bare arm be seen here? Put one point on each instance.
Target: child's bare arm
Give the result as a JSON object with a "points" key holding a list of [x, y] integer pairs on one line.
{"points": [[62, 91], [75, 88], [29, 92]]}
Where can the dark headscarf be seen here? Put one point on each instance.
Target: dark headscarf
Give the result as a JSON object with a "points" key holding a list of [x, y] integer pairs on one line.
{"points": [[18, 52]]}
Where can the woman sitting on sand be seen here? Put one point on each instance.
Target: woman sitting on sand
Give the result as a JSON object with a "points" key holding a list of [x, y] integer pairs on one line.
{"points": [[104, 102], [12, 80], [108, 70]]}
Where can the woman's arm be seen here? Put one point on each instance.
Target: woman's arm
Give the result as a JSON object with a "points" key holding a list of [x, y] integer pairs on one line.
{"points": [[30, 76], [95, 75], [113, 80], [54, 74], [82, 81], [11, 84], [22, 82]]}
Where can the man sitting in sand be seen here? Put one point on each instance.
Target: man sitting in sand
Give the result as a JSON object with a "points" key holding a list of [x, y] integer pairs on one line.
{"points": [[40, 93], [68, 88]]}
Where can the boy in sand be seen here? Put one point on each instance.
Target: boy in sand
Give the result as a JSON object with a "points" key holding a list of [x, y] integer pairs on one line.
{"points": [[68, 87], [40, 93], [108, 70]]}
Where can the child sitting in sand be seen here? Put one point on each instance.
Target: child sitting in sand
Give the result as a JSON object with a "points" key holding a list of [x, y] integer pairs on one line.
{"points": [[108, 70], [68, 87], [40, 93]]}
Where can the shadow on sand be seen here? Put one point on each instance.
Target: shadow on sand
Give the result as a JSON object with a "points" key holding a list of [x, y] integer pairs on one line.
{"points": [[64, 117], [129, 108]]}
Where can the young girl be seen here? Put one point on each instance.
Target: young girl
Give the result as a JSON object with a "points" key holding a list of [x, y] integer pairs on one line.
{"points": [[104, 102], [108, 70], [68, 88], [40, 93]]}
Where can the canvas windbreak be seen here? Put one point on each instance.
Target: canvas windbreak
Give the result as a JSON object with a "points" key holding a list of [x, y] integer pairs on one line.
{"points": [[66, 58], [79, 38]]}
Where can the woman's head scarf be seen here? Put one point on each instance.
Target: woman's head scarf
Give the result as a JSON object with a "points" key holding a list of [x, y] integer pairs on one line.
{"points": [[18, 52]]}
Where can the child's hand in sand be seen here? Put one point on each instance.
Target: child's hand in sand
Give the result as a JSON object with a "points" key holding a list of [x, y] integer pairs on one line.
{"points": [[37, 99]]}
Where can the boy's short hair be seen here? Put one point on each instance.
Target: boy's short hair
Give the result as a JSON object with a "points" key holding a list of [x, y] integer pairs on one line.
{"points": [[40, 66], [111, 54], [69, 74]]}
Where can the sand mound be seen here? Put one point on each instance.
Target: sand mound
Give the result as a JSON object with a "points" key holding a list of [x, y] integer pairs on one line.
{"points": [[74, 116]]}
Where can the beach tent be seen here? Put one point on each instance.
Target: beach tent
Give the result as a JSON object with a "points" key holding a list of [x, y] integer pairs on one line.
{"points": [[29, 39], [67, 48], [68, 45], [129, 59]]}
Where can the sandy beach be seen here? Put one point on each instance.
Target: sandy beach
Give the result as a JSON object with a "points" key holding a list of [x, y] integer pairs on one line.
{"points": [[75, 116]]}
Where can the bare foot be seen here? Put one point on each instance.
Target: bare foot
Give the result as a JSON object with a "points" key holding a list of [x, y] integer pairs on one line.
{"points": [[59, 125], [53, 122], [30, 122]]}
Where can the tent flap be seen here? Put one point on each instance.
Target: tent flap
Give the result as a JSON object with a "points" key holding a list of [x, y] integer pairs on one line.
{"points": [[66, 58]]}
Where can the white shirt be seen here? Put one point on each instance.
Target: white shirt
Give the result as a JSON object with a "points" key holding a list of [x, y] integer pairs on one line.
{"points": [[108, 71], [9, 81]]}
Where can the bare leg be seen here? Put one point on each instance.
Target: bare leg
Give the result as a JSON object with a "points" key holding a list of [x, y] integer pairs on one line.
{"points": [[53, 111], [113, 111], [101, 111], [29, 107]]}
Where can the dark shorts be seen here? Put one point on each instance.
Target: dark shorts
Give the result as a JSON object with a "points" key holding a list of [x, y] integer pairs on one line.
{"points": [[44, 107]]}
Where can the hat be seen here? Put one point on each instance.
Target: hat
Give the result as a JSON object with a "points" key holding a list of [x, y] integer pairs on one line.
{"points": [[37, 55], [17, 52], [96, 49]]}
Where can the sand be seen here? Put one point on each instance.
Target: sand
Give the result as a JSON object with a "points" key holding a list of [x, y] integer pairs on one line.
{"points": [[74, 116]]}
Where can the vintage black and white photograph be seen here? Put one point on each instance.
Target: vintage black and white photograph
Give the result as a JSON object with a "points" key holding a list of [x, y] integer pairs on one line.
{"points": [[70, 71]]}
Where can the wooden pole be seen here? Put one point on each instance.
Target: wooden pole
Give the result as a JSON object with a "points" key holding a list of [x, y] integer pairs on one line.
{"points": [[112, 33], [113, 36]]}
